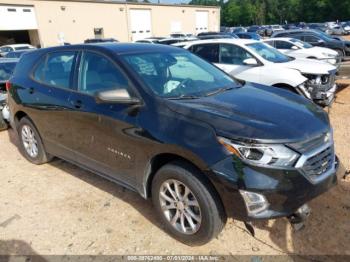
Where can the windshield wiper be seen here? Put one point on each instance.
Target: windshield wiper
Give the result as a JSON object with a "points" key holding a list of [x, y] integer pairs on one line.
{"points": [[183, 97], [220, 90]]}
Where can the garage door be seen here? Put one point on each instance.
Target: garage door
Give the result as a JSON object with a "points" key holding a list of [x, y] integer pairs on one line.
{"points": [[141, 25], [202, 21], [17, 18]]}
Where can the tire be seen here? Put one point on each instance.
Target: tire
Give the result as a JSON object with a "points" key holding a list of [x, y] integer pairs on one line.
{"points": [[210, 215], [340, 53], [29, 138], [3, 123]]}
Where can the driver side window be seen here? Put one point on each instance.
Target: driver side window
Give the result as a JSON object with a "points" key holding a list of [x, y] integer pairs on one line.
{"points": [[97, 73]]}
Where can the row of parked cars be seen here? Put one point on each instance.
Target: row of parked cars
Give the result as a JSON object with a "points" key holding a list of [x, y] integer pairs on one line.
{"points": [[332, 28], [208, 129]]}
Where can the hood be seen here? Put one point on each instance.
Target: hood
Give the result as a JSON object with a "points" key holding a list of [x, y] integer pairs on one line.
{"points": [[308, 66], [257, 113], [323, 50]]}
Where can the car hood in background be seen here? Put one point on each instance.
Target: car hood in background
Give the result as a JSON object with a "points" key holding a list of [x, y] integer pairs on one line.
{"points": [[322, 50], [308, 66], [256, 113]]}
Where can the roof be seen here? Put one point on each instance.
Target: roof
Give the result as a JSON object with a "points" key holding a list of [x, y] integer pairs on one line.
{"points": [[119, 48]]}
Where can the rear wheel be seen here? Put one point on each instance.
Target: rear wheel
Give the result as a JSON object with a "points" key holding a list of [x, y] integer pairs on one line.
{"points": [[31, 145], [187, 204]]}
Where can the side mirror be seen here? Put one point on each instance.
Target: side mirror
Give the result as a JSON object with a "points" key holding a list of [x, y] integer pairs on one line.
{"points": [[294, 47], [250, 62], [117, 96]]}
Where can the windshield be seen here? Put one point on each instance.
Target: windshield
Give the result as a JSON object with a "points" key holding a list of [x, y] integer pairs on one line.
{"points": [[269, 53], [300, 43], [178, 74], [6, 70]]}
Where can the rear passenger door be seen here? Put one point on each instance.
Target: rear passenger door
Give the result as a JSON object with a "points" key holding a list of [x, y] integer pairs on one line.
{"points": [[99, 130], [47, 97]]}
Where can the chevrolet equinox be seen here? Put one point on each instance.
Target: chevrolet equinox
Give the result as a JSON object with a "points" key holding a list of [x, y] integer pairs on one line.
{"points": [[163, 122]]}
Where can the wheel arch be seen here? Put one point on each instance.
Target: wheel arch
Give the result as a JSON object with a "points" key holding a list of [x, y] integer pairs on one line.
{"points": [[286, 86]]}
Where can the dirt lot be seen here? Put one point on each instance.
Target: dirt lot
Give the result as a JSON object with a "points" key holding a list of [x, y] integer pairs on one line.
{"points": [[58, 208]]}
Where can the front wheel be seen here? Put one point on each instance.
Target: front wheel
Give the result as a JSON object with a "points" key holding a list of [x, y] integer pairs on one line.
{"points": [[187, 204]]}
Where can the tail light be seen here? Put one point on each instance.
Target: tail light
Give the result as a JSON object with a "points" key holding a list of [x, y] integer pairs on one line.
{"points": [[8, 86]]}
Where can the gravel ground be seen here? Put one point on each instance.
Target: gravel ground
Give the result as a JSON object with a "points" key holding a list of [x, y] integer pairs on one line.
{"points": [[58, 208]]}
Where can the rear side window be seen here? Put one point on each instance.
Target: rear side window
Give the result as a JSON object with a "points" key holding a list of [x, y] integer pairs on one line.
{"points": [[283, 45], [209, 52], [97, 73], [311, 39], [271, 43], [56, 69]]}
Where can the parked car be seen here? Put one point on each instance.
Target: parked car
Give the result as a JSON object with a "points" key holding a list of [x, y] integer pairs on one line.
{"points": [[337, 30], [273, 28], [170, 41], [150, 40], [320, 27], [7, 67], [248, 35], [218, 36], [239, 29], [299, 49], [346, 27], [16, 54], [317, 38], [256, 29], [15, 47], [100, 40], [257, 62], [171, 126]]}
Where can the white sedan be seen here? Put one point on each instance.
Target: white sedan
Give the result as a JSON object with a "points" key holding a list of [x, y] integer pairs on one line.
{"points": [[299, 49], [254, 61]]}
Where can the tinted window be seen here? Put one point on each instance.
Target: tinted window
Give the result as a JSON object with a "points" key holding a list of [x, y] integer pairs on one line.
{"points": [[209, 52], [271, 43], [283, 45], [99, 73], [232, 54], [311, 39], [56, 69], [21, 47]]}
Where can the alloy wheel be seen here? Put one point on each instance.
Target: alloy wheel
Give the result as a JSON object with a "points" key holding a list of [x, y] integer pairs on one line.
{"points": [[29, 141], [180, 206]]}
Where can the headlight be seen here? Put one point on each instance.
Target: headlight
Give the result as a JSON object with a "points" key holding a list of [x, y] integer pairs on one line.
{"points": [[332, 61], [273, 155]]}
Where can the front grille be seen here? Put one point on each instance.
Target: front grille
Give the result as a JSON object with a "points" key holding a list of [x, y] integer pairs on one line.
{"points": [[319, 163]]}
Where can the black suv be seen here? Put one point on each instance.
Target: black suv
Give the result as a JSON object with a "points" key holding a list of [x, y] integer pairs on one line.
{"points": [[171, 126], [317, 38]]}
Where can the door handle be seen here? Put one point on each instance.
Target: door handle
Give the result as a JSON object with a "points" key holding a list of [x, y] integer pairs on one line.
{"points": [[77, 104], [31, 90]]}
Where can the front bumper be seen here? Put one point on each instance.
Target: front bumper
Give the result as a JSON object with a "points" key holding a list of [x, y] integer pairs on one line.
{"points": [[325, 98], [285, 190]]}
